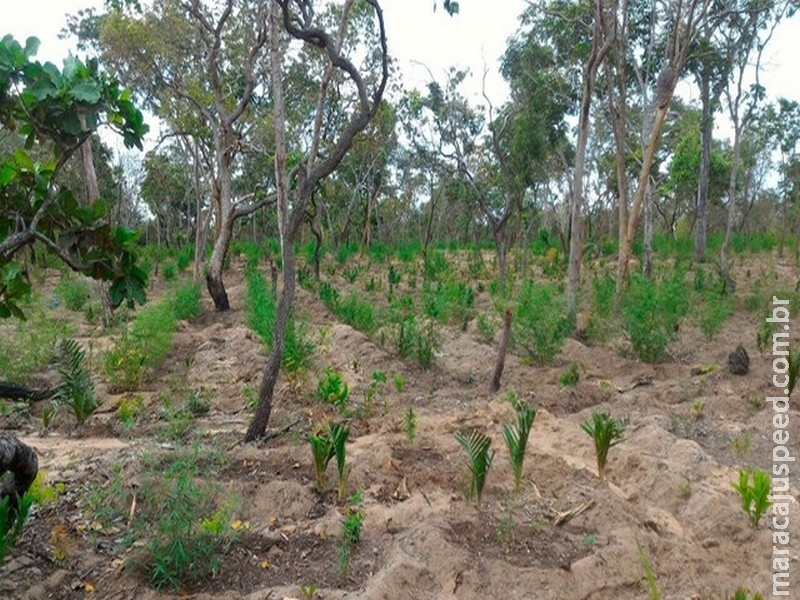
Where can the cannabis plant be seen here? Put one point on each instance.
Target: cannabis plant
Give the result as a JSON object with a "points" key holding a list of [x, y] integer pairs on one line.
{"points": [[754, 490]]}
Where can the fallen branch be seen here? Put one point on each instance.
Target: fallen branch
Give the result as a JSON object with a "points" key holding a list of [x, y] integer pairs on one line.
{"points": [[573, 512]]}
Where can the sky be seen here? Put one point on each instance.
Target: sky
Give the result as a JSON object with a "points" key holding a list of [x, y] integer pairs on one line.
{"points": [[423, 41]]}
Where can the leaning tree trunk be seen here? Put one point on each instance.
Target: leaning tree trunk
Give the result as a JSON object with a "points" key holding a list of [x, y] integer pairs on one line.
{"points": [[21, 462], [216, 287], [706, 132]]}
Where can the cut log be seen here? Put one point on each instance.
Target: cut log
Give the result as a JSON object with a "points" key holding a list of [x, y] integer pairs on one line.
{"points": [[14, 391], [19, 466]]}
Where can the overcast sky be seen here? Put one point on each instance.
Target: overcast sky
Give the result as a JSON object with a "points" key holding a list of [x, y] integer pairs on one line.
{"points": [[422, 39]]}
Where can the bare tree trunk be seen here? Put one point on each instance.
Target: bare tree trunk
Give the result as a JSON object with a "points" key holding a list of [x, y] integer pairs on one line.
{"points": [[602, 40], [216, 287], [502, 349], [648, 230], [706, 132]]}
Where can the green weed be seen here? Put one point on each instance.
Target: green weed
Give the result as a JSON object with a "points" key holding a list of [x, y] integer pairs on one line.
{"points": [[540, 325], [754, 488], [74, 292]]}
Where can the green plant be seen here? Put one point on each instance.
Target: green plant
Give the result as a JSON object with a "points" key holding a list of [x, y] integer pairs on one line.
{"points": [[485, 328], [12, 519], [743, 594], [129, 411], [339, 434], [764, 335], [169, 270], [571, 376], [602, 317], [540, 325], [516, 437], [410, 424], [187, 301], [754, 489], [351, 532], [649, 575], [377, 381], [740, 444], [651, 312], [75, 388], [74, 292], [685, 489], [323, 451], [308, 591], [394, 277], [606, 433], [333, 389], [399, 382], [477, 446]]}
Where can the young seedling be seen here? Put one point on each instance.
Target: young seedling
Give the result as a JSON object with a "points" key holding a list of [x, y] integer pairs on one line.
{"points": [[323, 450], [333, 389], [755, 494], [517, 439], [351, 532], [338, 435], [477, 446], [606, 432], [411, 424]]}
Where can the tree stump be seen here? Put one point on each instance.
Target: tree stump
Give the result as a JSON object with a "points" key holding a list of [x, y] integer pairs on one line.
{"points": [[739, 361], [19, 466]]}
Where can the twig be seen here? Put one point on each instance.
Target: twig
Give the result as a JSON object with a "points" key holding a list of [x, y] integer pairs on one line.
{"points": [[573, 512]]}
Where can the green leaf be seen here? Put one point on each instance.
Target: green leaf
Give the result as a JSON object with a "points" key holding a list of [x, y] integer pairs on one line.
{"points": [[86, 91]]}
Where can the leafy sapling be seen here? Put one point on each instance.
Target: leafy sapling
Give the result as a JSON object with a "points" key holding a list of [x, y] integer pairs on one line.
{"points": [[606, 432], [754, 490]]}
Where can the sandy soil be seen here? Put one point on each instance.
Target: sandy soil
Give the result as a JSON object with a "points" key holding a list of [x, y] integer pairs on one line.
{"points": [[668, 490]]}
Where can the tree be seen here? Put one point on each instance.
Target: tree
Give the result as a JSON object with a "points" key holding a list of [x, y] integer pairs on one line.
{"points": [[296, 183], [54, 112], [746, 32], [198, 66]]}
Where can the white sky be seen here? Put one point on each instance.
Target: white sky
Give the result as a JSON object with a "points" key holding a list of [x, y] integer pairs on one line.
{"points": [[418, 36]]}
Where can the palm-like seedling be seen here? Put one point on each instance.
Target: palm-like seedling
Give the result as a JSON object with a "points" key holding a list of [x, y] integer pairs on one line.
{"points": [[477, 445], [338, 436], [517, 440], [76, 389], [606, 432]]}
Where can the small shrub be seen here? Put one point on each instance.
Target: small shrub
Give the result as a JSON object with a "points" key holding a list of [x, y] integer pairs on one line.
{"points": [[540, 325], [571, 376], [74, 293], [606, 433], [651, 312], [754, 489], [399, 382], [187, 302], [323, 451], [185, 257], [601, 322], [169, 270], [333, 389], [477, 446], [486, 329]]}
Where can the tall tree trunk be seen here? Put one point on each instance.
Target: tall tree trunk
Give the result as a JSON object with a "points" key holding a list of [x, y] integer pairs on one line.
{"points": [[638, 200], [648, 230], [730, 284], [602, 40], [704, 177], [269, 379]]}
